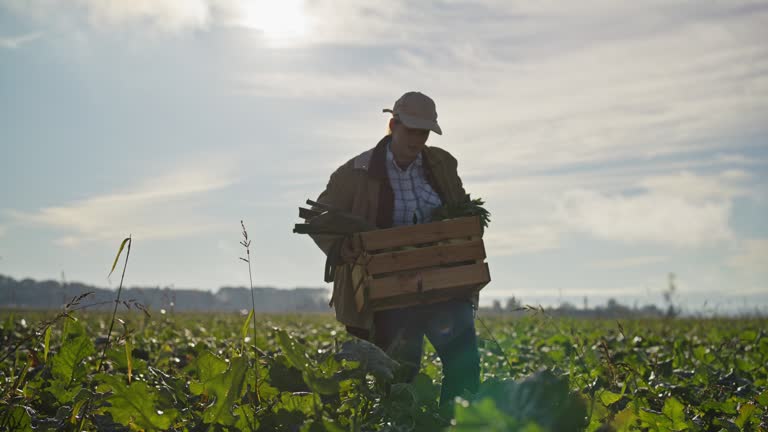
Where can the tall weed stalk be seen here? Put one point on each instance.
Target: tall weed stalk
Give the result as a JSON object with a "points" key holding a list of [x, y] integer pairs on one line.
{"points": [[246, 243], [127, 241]]}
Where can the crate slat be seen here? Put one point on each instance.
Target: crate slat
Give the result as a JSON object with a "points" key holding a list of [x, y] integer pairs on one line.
{"points": [[420, 298], [421, 233], [307, 214], [428, 280], [389, 262]]}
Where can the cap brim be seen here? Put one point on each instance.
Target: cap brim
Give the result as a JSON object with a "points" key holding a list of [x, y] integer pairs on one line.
{"points": [[418, 123]]}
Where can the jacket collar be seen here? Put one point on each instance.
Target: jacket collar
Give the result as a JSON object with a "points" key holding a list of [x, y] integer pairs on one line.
{"points": [[377, 167], [374, 160]]}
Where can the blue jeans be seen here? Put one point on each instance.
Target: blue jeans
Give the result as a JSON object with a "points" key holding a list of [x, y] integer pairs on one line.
{"points": [[449, 326]]}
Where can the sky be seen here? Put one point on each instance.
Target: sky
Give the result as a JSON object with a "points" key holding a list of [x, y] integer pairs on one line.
{"points": [[614, 142]]}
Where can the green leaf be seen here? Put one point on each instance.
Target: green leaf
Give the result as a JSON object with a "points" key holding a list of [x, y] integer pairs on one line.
{"points": [[72, 329], [762, 399], [46, 343], [285, 377], [76, 402], [76, 410], [332, 426], [425, 389], [17, 419], [300, 402], [135, 405], [656, 420], [625, 419], [324, 425], [119, 251], [468, 207], [208, 367], [745, 415], [226, 388], [244, 329], [725, 425], [320, 384], [62, 391], [599, 414], [675, 411], [292, 350], [69, 367], [10, 321], [129, 357], [481, 416], [608, 397], [246, 421], [724, 407], [68, 362]]}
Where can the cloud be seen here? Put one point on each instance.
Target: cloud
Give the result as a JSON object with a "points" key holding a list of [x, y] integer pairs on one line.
{"points": [[166, 15], [684, 210], [630, 262], [14, 42], [518, 86], [558, 88], [3, 230], [752, 256], [165, 206], [697, 188], [523, 240], [636, 204], [648, 218]]}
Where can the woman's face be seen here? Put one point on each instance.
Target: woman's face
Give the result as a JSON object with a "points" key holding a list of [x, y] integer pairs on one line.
{"points": [[407, 143]]}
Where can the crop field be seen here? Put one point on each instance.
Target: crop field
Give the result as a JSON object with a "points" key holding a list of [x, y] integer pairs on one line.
{"points": [[189, 372]]}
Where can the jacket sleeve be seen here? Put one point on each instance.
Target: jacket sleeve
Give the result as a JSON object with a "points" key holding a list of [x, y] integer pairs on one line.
{"points": [[445, 172], [337, 194]]}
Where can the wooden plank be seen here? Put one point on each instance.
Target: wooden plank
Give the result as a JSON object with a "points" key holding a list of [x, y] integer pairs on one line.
{"points": [[388, 262], [410, 235], [428, 280], [307, 214], [465, 292]]}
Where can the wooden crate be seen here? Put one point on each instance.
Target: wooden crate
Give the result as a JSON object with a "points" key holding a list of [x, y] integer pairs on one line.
{"points": [[419, 264]]}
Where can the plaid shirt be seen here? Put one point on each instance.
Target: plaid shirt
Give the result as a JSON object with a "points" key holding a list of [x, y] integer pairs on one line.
{"points": [[414, 197]]}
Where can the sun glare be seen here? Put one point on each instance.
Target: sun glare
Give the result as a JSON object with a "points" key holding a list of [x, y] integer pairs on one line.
{"points": [[277, 19]]}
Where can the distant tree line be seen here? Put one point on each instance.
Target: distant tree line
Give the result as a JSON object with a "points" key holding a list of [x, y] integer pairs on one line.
{"points": [[612, 309], [50, 294]]}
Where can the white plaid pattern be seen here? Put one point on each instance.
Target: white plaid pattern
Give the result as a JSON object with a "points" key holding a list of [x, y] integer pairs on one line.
{"points": [[413, 194]]}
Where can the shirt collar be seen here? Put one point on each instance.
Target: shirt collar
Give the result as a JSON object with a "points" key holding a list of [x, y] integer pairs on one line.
{"points": [[391, 159]]}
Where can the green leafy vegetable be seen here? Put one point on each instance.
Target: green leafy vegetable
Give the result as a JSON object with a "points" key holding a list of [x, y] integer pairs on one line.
{"points": [[470, 207]]}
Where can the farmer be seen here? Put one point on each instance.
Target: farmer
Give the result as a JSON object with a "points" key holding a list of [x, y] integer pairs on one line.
{"points": [[399, 182]]}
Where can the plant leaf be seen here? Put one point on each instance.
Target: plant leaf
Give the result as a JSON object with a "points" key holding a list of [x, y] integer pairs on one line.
{"points": [[675, 411], [69, 367], [68, 364], [609, 397], [129, 358], [244, 330], [134, 405], [227, 389], [119, 251], [46, 343], [745, 414], [17, 419], [292, 350], [482, 415]]}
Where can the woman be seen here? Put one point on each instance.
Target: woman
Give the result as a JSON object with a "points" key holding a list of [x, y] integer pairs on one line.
{"points": [[399, 182]]}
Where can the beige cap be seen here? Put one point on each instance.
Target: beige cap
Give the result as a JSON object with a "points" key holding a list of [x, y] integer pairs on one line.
{"points": [[417, 111]]}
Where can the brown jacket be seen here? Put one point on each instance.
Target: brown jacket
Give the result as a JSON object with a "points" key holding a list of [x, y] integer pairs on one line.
{"points": [[361, 187]]}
